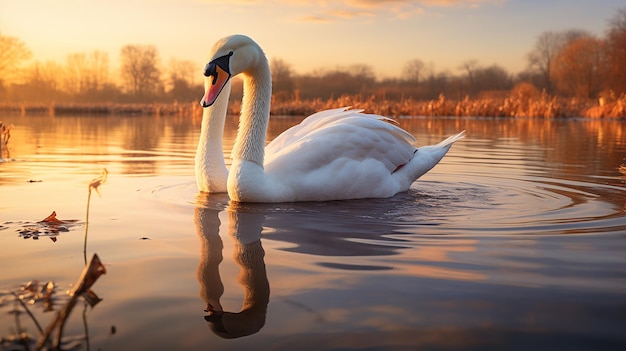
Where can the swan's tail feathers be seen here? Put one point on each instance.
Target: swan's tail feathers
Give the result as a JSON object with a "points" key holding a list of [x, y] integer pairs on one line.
{"points": [[451, 140], [424, 159]]}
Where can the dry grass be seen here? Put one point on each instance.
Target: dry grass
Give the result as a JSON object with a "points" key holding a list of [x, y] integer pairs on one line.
{"points": [[512, 106], [520, 103]]}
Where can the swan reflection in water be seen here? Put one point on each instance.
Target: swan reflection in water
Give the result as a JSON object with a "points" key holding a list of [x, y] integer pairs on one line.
{"points": [[330, 231], [290, 223], [244, 229]]}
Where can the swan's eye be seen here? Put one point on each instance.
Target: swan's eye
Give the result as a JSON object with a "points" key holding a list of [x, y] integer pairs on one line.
{"points": [[210, 70], [223, 62]]}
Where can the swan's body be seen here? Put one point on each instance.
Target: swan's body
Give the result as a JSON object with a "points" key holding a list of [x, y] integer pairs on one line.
{"points": [[332, 155]]}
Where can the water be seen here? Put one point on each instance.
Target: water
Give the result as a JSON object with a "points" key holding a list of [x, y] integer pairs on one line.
{"points": [[515, 241]]}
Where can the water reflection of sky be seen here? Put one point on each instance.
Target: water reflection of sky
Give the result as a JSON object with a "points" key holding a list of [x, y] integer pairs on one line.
{"points": [[424, 298], [505, 243]]}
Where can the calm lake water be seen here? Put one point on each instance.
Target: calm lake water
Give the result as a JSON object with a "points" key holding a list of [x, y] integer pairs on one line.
{"points": [[516, 240]]}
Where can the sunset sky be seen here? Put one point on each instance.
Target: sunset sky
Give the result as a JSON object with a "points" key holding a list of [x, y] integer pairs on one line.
{"points": [[308, 35]]}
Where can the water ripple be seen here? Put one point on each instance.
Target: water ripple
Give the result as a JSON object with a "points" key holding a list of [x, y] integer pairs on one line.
{"points": [[474, 204]]}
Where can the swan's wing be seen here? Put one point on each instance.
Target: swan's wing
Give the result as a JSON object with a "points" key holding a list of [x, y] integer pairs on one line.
{"points": [[323, 119], [306, 126], [351, 136]]}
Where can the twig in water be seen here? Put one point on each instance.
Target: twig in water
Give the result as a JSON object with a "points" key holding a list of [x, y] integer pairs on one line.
{"points": [[30, 314], [90, 274]]}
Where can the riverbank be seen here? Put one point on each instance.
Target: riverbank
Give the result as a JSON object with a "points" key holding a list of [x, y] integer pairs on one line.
{"points": [[514, 106]]}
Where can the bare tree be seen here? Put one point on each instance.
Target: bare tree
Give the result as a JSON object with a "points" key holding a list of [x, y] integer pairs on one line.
{"points": [[140, 69], [616, 52], [546, 48], [73, 79], [13, 53], [86, 74], [540, 58], [182, 74], [413, 70], [579, 67], [362, 72], [45, 75], [470, 67], [282, 79], [183, 70], [436, 83], [99, 77], [41, 83], [492, 78]]}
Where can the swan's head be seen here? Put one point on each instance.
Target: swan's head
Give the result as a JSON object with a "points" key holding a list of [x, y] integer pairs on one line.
{"points": [[229, 57]]}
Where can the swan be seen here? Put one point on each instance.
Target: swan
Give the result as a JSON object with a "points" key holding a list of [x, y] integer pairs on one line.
{"points": [[336, 154]]}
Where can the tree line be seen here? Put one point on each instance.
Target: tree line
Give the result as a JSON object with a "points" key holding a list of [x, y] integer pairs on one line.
{"points": [[571, 63]]}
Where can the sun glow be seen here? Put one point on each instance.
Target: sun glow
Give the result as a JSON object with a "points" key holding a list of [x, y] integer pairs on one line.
{"points": [[382, 34]]}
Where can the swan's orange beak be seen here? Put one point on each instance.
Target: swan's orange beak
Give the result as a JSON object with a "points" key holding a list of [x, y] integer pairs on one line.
{"points": [[213, 85], [217, 73]]}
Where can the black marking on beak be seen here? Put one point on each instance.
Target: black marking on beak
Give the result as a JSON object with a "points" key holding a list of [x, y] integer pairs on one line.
{"points": [[222, 62]]}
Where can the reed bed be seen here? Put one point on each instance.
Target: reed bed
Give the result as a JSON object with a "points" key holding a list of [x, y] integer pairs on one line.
{"points": [[515, 105], [544, 106]]}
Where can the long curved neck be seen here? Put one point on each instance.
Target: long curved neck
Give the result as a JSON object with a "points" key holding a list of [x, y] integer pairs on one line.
{"points": [[255, 113], [211, 172]]}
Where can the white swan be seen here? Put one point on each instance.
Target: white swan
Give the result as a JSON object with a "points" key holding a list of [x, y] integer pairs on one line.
{"points": [[332, 155]]}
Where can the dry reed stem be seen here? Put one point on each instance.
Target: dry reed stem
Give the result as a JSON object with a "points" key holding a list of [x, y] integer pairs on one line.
{"points": [[93, 185]]}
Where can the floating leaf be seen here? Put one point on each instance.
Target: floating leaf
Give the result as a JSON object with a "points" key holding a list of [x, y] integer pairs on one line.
{"points": [[50, 226], [52, 218]]}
